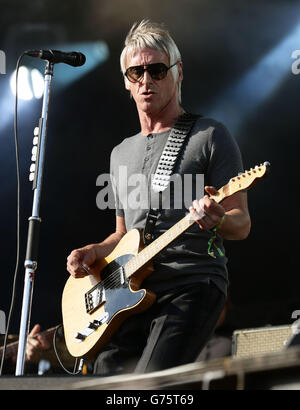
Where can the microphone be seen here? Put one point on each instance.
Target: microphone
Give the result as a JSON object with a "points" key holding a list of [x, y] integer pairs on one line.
{"points": [[72, 58]]}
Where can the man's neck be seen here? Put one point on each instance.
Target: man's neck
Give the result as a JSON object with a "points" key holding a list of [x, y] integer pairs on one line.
{"points": [[155, 123]]}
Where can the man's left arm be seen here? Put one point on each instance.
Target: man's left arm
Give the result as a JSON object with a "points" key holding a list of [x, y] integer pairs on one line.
{"points": [[231, 216]]}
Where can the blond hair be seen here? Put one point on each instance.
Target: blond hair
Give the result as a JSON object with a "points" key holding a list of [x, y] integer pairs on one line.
{"points": [[147, 34]]}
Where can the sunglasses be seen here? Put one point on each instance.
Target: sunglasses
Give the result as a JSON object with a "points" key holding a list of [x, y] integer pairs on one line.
{"points": [[157, 71]]}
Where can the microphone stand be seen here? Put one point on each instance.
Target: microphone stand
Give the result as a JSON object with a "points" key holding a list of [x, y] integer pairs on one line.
{"points": [[34, 223]]}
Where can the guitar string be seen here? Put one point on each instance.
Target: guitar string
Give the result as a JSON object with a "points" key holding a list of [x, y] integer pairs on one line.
{"points": [[112, 280], [109, 282]]}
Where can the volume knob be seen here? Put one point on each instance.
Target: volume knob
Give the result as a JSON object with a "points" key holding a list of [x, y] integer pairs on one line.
{"points": [[80, 336], [93, 325]]}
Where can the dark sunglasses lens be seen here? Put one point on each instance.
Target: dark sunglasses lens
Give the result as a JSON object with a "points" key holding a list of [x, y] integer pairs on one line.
{"points": [[158, 71], [134, 73]]}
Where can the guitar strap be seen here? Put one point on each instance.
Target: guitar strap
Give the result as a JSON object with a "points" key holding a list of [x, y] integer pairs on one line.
{"points": [[165, 168]]}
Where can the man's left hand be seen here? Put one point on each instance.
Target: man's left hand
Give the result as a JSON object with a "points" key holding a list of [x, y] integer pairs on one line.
{"points": [[206, 212], [36, 344]]}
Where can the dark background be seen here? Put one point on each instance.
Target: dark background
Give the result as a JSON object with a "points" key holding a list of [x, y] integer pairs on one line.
{"points": [[237, 68]]}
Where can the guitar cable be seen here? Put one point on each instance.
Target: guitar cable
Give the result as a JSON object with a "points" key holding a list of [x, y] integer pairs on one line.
{"points": [[12, 304], [78, 361]]}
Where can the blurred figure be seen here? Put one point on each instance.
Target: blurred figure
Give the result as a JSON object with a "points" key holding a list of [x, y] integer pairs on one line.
{"points": [[40, 354], [37, 344]]}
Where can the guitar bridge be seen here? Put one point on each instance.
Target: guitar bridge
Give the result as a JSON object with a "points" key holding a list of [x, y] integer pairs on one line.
{"points": [[94, 298]]}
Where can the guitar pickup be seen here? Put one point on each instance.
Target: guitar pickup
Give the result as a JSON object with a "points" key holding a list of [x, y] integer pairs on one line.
{"points": [[94, 298]]}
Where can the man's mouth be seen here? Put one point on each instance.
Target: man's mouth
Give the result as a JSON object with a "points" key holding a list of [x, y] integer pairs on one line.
{"points": [[148, 93]]}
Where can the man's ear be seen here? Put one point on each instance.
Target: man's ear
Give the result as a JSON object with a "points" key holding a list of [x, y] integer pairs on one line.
{"points": [[127, 83], [180, 71]]}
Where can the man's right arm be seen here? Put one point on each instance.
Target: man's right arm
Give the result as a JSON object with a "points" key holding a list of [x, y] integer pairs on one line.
{"points": [[84, 261]]}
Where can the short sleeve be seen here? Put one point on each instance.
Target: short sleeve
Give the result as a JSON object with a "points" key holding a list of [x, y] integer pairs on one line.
{"points": [[225, 159]]}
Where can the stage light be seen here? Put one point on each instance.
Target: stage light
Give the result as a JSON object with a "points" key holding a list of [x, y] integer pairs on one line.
{"points": [[37, 83], [30, 83], [95, 52], [239, 100]]}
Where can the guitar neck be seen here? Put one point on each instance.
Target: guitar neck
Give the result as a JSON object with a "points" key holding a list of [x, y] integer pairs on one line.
{"points": [[241, 182], [146, 254]]}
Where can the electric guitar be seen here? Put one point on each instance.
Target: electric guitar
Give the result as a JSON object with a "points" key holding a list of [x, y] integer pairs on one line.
{"points": [[93, 307]]}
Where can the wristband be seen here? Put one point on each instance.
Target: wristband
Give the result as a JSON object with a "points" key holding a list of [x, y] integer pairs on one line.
{"points": [[212, 240], [218, 226]]}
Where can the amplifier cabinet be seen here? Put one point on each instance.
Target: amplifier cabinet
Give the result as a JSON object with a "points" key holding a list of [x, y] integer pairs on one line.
{"points": [[262, 340]]}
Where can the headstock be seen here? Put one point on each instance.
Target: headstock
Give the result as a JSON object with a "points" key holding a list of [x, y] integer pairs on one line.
{"points": [[247, 179]]}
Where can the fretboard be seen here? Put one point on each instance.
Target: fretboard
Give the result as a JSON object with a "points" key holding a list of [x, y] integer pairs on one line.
{"points": [[148, 253]]}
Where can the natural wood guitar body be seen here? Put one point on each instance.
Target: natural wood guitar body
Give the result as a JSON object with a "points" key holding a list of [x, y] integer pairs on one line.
{"points": [[121, 301]]}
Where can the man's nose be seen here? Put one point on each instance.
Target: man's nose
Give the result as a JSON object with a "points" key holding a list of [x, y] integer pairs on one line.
{"points": [[146, 77]]}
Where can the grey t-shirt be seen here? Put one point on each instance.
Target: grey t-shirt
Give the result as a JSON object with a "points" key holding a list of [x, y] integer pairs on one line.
{"points": [[210, 157]]}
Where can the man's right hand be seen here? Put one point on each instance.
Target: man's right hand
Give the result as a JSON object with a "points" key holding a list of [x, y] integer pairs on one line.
{"points": [[83, 261], [88, 260]]}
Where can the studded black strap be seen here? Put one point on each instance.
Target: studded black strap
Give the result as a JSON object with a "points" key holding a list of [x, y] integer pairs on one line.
{"points": [[171, 151], [166, 166]]}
